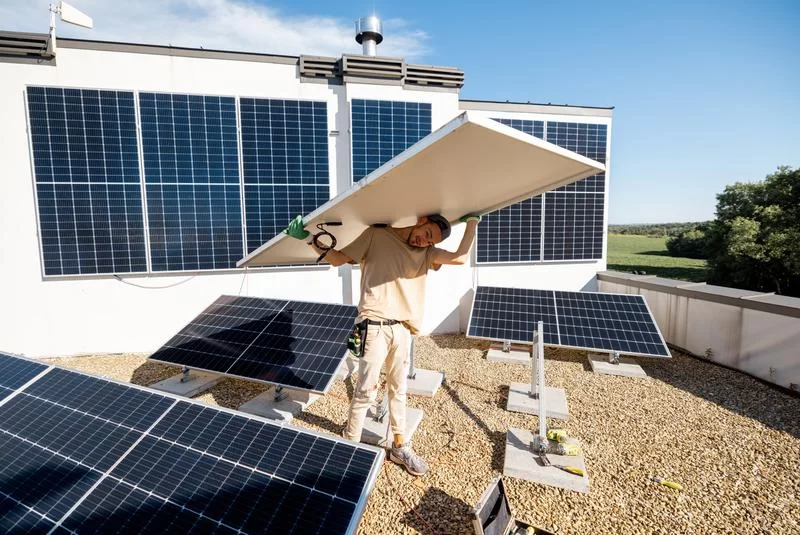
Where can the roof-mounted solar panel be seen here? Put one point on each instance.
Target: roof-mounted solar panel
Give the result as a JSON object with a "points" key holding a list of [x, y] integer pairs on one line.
{"points": [[81, 454], [296, 344], [593, 321]]}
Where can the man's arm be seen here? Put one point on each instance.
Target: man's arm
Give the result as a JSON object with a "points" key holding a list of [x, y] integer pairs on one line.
{"points": [[461, 255], [333, 257]]}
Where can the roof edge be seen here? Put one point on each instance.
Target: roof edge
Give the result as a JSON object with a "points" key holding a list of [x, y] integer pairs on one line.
{"points": [[534, 107], [167, 50]]}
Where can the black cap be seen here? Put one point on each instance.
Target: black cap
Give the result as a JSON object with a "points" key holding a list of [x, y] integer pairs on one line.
{"points": [[442, 223]]}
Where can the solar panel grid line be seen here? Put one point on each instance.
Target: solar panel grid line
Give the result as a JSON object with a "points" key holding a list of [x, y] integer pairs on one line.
{"points": [[102, 505], [40, 496], [240, 170], [16, 374], [142, 186], [38, 432], [253, 315], [112, 467], [287, 343], [579, 320], [285, 163], [79, 159], [219, 432]]}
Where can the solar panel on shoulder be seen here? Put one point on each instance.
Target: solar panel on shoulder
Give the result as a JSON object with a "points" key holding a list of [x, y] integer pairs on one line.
{"points": [[289, 343], [580, 320], [81, 454]]}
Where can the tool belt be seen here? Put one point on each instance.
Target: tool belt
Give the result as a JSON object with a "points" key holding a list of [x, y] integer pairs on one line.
{"points": [[357, 339], [358, 336]]}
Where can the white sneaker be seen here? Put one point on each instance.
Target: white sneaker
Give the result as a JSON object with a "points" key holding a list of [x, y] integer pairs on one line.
{"points": [[405, 456]]}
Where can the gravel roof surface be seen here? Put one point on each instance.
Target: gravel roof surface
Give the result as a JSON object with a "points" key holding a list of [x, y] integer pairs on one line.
{"points": [[730, 440]]}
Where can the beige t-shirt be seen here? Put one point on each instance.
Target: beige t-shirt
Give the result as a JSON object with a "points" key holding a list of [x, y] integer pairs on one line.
{"points": [[393, 276]]}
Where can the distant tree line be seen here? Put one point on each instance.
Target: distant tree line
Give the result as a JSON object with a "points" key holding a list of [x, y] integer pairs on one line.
{"points": [[659, 230], [754, 243]]}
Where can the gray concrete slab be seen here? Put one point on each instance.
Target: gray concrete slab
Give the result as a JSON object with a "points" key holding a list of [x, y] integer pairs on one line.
{"points": [[519, 400], [627, 367], [377, 433], [514, 356], [195, 383], [521, 462], [284, 410], [425, 383]]}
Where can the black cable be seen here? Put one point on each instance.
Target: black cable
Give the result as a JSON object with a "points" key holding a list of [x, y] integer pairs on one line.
{"points": [[325, 247]]}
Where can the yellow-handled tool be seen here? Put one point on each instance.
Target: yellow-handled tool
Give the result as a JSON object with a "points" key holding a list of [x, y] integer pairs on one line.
{"points": [[559, 435], [571, 469], [667, 483]]}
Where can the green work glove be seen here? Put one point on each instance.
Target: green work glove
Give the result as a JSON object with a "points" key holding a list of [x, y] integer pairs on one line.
{"points": [[296, 230], [470, 217]]}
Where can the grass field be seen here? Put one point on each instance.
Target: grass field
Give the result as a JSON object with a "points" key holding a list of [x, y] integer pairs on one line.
{"points": [[628, 252]]}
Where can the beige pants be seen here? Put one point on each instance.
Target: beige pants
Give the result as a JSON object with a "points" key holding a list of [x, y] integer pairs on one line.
{"points": [[389, 343]]}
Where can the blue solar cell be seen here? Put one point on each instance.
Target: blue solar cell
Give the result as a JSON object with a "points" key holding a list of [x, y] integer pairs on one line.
{"points": [[583, 320], [511, 314], [290, 343], [566, 224], [90, 455], [87, 181], [512, 234], [382, 129], [15, 372], [285, 163], [191, 170], [573, 223], [37, 487]]}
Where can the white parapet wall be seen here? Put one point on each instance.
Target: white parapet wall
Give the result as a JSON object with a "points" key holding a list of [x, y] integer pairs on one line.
{"points": [[753, 332]]}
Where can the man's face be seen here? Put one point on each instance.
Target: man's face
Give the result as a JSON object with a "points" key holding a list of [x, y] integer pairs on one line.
{"points": [[425, 234]]}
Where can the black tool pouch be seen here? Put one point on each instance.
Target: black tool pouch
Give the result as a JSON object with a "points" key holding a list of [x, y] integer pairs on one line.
{"points": [[357, 339]]}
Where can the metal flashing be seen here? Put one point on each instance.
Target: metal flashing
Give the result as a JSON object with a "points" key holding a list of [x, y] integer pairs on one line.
{"points": [[747, 299], [534, 107]]}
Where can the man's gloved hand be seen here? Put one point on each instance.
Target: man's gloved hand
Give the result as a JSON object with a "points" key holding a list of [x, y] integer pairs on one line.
{"points": [[470, 217], [296, 229]]}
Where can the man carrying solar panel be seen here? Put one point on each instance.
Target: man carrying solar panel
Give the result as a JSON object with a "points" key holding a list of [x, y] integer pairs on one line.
{"points": [[394, 264]]}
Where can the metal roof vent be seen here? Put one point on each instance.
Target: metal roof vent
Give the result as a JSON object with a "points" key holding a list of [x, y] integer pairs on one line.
{"points": [[369, 34]]}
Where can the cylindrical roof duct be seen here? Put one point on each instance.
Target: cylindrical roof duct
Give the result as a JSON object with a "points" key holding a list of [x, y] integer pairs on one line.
{"points": [[369, 34]]}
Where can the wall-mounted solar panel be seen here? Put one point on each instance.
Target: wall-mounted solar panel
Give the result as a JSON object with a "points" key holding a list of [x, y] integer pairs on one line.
{"points": [[80, 454], [88, 190], [382, 129], [289, 343], [284, 161], [191, 171], [564, 224], [579, 320]]}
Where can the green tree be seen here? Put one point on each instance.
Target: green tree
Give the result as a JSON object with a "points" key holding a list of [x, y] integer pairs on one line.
{"points": [[755, 241], [689, 243]]}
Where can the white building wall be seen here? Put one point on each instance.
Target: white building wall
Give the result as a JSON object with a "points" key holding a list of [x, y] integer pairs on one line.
{"points": [[101, 314]]}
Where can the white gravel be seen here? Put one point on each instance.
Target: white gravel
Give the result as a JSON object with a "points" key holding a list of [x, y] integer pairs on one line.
{"points": [[730, 440]]}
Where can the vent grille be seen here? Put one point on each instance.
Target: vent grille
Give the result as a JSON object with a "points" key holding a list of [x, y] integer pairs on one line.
{"points": [[318, 67], [434, 76], [373, 67], [30, 45]]}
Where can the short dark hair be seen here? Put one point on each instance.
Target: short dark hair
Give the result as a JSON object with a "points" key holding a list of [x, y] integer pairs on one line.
{"points": [[442, 223]]}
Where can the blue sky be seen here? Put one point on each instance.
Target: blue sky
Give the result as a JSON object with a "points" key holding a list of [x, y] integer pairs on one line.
{"points": [[705, 93]]}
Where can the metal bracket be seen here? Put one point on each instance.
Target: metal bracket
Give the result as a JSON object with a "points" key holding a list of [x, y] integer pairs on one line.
{"points": [[280, 394], [185, 378], [506, 346], [613, 358]]}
